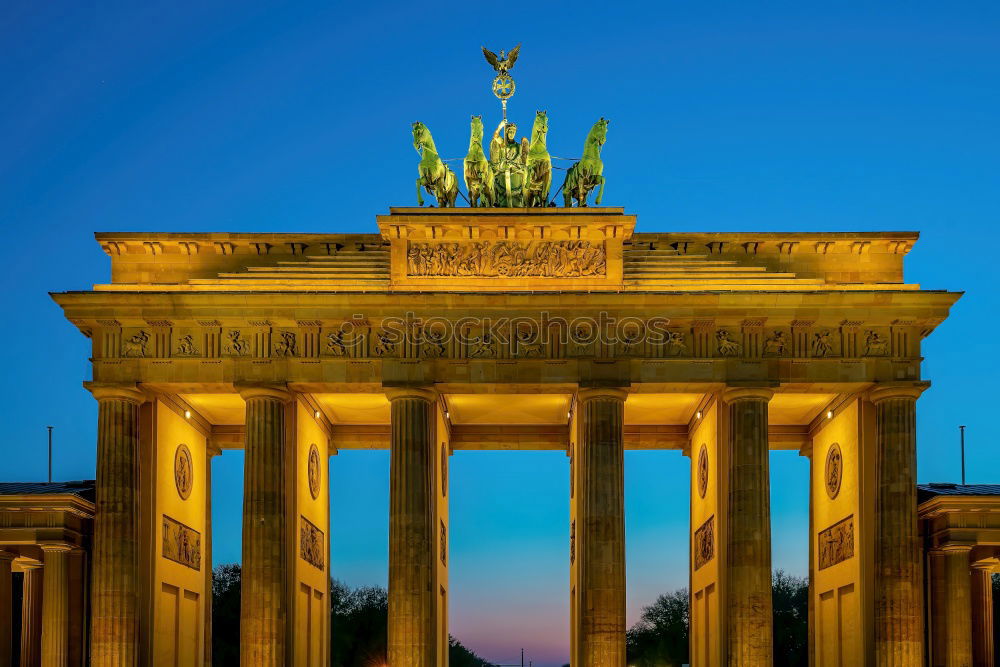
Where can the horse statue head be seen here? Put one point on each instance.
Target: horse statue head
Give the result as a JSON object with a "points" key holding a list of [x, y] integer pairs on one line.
{"points": [[477, 128], [421, 136], [541, 123], [599, 133]]}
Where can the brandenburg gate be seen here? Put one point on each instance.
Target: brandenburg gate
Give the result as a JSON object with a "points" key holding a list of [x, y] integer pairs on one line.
{"points": [[544, 328]]}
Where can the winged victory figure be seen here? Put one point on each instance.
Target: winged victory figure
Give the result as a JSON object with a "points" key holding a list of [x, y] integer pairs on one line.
{"points": [[504, 62]]}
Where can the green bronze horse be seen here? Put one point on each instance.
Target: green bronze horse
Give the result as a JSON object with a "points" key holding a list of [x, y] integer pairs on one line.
{"points": [[586, 174], [435, 177], [478, 172], [539, 164]]}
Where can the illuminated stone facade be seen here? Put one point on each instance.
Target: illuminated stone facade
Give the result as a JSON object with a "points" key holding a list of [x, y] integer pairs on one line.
{"points": [[566, 327]]}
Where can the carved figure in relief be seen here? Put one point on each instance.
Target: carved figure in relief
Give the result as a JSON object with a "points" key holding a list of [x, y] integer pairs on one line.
{"points": [[822, 345], [478, 171], [528, 345], [704, 543], [776, 344], [311, 542], [186, 347], [237, 346], [314, 471], [183, 471], [135, 346], [876, 345], [834, 470], [432, 344], [581, 339], [588, 173], [629, 340], [703, 470], [335, 345], [286, 346], [385, 344], [434, 175], [726, 345], [483, 347], [675, 343]]}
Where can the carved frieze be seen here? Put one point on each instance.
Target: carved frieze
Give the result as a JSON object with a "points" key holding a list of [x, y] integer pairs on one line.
{"points": [[704, 543], [822, 344], [285, 344], [726, 346], [777, 344], [876, 344], [545, 259], [186, 347], [444, 470], [311, 543], [444, 544], [836, 543], [181, 544], [236, 345]]}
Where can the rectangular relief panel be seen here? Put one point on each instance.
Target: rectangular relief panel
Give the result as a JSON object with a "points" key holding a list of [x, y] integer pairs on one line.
{"points": [[181, 543], [836, 543]]}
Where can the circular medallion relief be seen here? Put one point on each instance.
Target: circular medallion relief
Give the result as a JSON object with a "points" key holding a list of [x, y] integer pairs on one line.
{"points": [[444, 469], [315, 471], [703, 470], [183, 471], [834, 472]]}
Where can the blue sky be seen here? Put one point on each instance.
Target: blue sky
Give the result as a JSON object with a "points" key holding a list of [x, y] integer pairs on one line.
{"points": [[725, 116]]}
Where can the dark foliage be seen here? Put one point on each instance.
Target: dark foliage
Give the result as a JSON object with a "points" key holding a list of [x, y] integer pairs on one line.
{"points": [[358, 619], [226, 614], [660, 638], [790, 597]]}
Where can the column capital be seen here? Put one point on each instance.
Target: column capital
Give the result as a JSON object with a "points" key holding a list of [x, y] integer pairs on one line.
{"points": [[277, 392], [732, 394], [588, 393], [988, 564], [30, 564], [427, 393], [882, 392], [7, 556], [955, 548], [56, 547], [115, 392], [212, 449]]}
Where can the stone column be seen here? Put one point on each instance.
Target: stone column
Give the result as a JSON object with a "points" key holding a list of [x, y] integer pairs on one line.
{"points": [[31, 615], [115, 590], [898, 595], [6, 610], [600, 527], [748, 538], [412, 598], [264, 600], [982, 615], [211, 452], [958, 607], [55, 606]]}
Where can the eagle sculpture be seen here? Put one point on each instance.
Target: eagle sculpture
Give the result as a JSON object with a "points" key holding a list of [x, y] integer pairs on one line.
{"points": [[504, 62]]}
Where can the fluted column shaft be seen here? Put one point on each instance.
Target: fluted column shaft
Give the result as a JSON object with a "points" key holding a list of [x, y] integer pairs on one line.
{"points": [[6, 610], [748, 538], [264, 597], [411, 529], [958, 608], [982, 617], [31, 616], [898, 595], [115, 592], [55, 606], [601, 528]]}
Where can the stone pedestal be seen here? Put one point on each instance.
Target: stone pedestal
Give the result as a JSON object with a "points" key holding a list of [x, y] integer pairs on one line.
{"points": [[31, 615], [982, 616], [6, 610], [898, 595], [412, 597], [115, 587], [55, 606], [601, 527], [748, 538], [264, 601]]}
